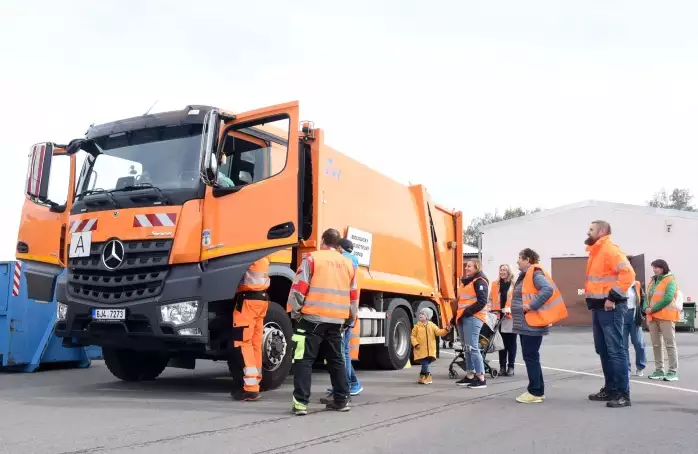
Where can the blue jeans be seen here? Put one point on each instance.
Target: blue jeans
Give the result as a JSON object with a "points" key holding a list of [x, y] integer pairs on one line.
{"points": [[469, 335], [426, 366], [530, 349], [608, 340], [354, 384], [630, 329]]}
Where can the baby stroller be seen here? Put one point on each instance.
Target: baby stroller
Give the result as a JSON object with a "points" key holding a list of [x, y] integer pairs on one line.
{"points": [[490, 341]]}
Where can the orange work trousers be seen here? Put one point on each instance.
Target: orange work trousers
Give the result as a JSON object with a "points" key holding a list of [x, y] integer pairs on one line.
{"points": [[250, 318]]}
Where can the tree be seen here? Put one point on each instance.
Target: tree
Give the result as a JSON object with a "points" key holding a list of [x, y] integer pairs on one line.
{"points": [[679, 199], [472, 232]]}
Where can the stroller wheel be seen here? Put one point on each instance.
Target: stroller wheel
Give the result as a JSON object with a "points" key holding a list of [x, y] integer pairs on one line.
{"points": [[494, 373], [452, 374]]}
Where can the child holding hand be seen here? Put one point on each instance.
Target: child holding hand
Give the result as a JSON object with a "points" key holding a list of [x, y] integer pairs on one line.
{"points": [[424, 342]]}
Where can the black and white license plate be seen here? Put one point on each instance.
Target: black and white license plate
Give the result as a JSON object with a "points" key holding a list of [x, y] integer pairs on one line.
{"points": [[109, 314]]}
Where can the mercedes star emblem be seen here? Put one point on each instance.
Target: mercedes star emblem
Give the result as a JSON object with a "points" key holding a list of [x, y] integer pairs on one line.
{"points": [[113, 255]]}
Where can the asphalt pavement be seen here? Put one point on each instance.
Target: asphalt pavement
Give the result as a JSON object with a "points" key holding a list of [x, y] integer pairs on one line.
{"points": [[89, 411]]}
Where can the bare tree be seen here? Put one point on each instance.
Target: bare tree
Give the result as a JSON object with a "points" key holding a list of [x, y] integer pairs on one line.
{"points": [[679, 199], [472, 231]]}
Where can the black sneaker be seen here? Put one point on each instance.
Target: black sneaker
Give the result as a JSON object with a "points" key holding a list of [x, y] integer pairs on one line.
{"points": [[330, 399], [477, 383], [248, 396], [510, 371], [465, 381], [601, 396], [620, 401], [337, 406], [503, 372]]}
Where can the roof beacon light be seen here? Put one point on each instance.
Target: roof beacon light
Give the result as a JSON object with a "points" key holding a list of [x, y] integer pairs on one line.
{"points": [[308, 130]]}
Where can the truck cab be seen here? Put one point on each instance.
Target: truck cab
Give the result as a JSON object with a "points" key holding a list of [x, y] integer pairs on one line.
{"points": [[156, 235]]}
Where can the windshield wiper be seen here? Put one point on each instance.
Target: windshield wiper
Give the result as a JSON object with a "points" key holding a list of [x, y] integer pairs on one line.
{"points": [[100, 191], [136, 187]]}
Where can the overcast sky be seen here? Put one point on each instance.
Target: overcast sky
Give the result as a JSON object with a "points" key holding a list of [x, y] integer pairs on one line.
{"points": [[490, 104]]}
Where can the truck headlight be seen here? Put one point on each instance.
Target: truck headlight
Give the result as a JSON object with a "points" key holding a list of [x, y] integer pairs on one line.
{"points": [[179, 313], [61, 311]]}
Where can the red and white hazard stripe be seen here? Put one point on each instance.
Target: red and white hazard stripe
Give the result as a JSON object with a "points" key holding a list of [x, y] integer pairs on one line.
{"points": [[155, 220], [16, 278], [83, 225]]}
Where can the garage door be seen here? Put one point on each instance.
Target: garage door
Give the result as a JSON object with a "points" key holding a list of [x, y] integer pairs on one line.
{"points": [[569, 273]]}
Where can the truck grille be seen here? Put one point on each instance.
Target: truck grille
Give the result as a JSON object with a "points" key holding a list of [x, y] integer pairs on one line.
{"points": [[140, 276]]}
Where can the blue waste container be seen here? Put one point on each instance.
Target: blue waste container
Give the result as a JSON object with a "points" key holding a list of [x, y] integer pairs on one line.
{"points": [[27, 338]]}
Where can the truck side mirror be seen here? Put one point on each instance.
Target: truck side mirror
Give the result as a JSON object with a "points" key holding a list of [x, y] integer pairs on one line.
{"points": [[209, 147], [39, 171]]}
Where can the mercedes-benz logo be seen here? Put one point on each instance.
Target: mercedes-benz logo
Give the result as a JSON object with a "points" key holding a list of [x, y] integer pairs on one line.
{"points": [[113, 255]]}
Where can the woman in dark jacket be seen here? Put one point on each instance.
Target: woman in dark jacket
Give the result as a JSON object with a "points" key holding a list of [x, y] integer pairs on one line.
{"points": [[472, 302]]}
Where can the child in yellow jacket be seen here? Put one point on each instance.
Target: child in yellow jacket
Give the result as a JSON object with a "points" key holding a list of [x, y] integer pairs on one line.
{"points": [[424, 342]]}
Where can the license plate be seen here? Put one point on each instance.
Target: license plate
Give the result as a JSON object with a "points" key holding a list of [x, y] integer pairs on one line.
{"points": [[109, 314]]}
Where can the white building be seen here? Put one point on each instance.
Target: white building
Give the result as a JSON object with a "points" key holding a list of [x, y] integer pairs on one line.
{"points": [[558, 236]]}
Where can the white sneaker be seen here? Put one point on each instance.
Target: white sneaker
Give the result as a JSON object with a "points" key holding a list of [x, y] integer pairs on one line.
{"points": [[639, 373]]}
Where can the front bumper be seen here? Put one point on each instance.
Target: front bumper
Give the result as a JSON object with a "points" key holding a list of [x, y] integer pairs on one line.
{"points": [[143, 328]]}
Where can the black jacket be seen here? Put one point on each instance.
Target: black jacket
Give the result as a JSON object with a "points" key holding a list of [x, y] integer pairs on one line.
{"points": [[481, 291]]}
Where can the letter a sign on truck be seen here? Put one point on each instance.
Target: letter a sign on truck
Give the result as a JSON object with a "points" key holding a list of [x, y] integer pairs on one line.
{"points": [[363, 242]]}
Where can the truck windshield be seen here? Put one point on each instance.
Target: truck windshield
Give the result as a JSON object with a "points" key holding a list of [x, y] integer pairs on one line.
{"points": [[163, 157]]}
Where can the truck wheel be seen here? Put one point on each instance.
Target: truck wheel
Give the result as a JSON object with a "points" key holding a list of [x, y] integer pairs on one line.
{"points": [[396, 354], [129, 365], [276, 350]]}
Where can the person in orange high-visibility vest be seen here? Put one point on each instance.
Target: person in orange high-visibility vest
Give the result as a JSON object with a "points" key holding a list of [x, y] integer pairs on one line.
{"points": [[324, 299], [470, 316], [500, 304], [609, 275], [662, 314], [536, 303], [251, 304]]}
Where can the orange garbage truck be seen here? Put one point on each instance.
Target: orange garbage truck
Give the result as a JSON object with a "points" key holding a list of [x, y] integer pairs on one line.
{"points": [[157, 217]]}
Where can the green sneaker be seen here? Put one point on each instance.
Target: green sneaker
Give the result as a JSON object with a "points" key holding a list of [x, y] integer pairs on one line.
{"points": [[657, 375], [671, 376], [299, 409]]}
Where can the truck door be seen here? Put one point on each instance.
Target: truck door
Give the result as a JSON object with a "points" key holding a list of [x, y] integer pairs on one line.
{"points": [[254, 204], [48, 190]]}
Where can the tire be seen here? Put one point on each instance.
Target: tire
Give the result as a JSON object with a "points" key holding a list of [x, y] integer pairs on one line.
{"points": [[276, 350], [395, 355], [130, 365]]}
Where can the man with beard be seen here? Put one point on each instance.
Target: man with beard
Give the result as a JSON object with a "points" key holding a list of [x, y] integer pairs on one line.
{"points": [[608, 278]]}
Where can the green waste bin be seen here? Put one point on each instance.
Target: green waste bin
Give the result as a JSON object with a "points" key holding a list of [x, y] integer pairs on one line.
{"points": [[687, 319]]}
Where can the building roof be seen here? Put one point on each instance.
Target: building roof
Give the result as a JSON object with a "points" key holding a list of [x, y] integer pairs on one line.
{"points": [[595, 203], [468, 249]]}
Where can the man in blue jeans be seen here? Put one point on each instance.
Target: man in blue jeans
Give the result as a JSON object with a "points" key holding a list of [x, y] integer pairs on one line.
{"points": [[355, 387], [608, 278]]}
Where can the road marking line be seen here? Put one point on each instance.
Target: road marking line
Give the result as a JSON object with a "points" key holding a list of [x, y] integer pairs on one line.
{"points": [[568, 371]]}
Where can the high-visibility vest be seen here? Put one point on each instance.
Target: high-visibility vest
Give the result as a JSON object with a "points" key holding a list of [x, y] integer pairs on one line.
{"points": [[328, 294], [354, 340], [552, 310], [671, 311], [603, 267], [468, 297], [256, 278], [494, 303]]}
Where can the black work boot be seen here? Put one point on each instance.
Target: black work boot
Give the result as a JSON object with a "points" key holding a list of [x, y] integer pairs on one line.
{"points": [[336, 406], [619, 401], [248, 396], [601, 396]]}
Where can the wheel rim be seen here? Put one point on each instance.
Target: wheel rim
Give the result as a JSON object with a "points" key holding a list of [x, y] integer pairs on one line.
{"points": [[400, 335], [274, 346]]}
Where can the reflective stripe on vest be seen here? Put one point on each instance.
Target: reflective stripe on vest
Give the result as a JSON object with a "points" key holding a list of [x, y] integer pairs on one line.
{"points": [[256, 278], [468, 297], [328, 295], [671, 311], [552, 310]]}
